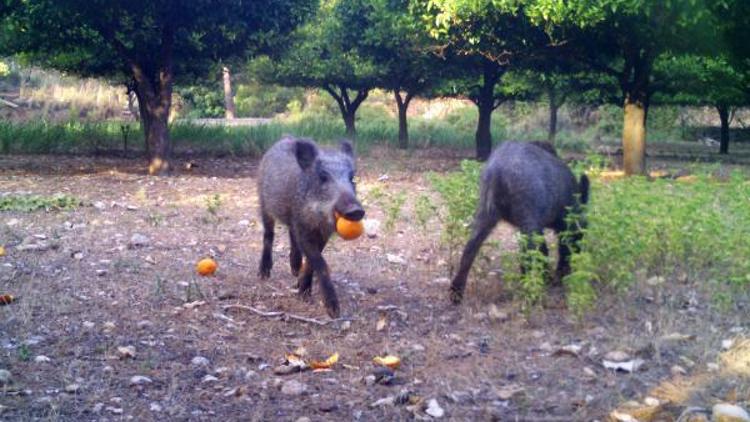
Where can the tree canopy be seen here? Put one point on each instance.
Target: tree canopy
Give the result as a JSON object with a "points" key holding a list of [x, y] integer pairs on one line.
{"points": [[148, 45]]}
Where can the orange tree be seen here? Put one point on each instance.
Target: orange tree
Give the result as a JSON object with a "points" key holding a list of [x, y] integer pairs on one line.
{"points": [[147, 45]]}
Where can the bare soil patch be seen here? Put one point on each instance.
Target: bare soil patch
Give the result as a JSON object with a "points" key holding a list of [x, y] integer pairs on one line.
{"points": [[92, 291]]}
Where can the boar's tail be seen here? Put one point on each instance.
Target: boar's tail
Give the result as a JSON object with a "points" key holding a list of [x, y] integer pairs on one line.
{"points": [[487, 197], [584, 187]]}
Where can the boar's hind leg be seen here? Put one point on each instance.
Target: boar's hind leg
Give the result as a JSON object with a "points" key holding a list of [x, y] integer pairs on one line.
{"points": [[484, 222], [295, 255], [266, 260]]}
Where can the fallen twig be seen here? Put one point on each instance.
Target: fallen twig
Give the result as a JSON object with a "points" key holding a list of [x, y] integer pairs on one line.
{"points": [[281, 314]]}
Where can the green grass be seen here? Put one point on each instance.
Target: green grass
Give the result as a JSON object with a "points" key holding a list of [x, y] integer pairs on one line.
{"points": [[29, 203], [374, 127], [640, 233]]}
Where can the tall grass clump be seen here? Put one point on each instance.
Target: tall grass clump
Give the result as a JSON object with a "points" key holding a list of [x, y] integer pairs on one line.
{"points": [[693, 232], [666, 231]]}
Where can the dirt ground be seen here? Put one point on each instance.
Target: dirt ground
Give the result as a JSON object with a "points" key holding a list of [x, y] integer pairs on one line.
{"points": [[90, 290]]}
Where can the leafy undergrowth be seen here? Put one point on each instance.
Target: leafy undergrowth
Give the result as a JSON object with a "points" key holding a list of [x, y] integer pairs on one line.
{"points": [[681, 231], [687, 230], [28, 203]]}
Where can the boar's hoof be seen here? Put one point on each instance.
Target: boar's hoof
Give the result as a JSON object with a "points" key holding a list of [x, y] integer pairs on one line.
{"points": [[305, 294], [333, 310], [456, 296]]}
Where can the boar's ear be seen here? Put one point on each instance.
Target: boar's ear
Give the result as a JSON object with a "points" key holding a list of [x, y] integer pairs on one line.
{"points": [[347, 148], [306, 153]]}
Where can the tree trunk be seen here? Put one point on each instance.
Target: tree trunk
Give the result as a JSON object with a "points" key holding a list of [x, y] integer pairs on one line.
{"points": [[229, 109], [724, 117], [483, 135], [486, 103], [403, 128], [634, 138], [349, 117], [554, 106], [144, 120], [347, 106]]}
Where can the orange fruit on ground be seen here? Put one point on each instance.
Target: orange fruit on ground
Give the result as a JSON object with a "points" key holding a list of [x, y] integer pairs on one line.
{"points": [[390, 361], [348, 229], [206, 266]]}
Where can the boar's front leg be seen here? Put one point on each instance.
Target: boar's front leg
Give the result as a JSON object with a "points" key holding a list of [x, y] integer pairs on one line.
{"points": [[312, 247]]}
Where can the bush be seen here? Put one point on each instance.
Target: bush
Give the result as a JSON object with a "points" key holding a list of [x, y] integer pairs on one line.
{"points": [[639, 231]]}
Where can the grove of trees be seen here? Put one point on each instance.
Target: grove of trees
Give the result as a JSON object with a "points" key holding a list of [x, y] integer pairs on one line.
{"points": [[632, 53]]}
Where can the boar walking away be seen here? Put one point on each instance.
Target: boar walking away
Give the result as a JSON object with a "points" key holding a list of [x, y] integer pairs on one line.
{"points": [[302, 186], [530, 187]]}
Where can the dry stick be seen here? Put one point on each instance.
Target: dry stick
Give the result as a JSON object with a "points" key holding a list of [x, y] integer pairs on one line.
{"points": [[273, 314]]}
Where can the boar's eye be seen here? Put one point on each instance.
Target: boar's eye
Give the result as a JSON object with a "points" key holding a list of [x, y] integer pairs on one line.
{"points": [[324, 177]]}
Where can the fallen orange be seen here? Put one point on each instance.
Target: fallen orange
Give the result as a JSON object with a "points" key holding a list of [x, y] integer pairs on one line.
{"points": [[326, 363], [206, 266], [390, 361], [6, 299]]}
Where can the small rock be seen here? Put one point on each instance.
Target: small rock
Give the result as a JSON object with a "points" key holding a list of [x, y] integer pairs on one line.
{"points": [[88, 325], [712, 367], [42, 359], [12, 222], [143, 324], [629, 366], [327, 406], [617, 356], [369, 380], [200, 361], [101, 272], [345, 325], [655, 281], [99, 205], [678, 370], [589, 372], [507, 392], [293, 388], [209, 378], [441, 281], [155, 407], [287, 369], [125, 352], [78, 255], [107, 369], [108, 326], [5, 377], [727, 344], [385, 401], [497, 314], [395, 259], [417, 347], [651, 401], [303, 419], [115, 410], [72, 388], [97, 407], [372, 227], [622, 417], [139, 240], [244, 223], [725, 412], [433, 409], [140, 380]]}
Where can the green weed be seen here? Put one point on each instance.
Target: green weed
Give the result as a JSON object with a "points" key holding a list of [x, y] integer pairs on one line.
{"points": [[29, 203]]}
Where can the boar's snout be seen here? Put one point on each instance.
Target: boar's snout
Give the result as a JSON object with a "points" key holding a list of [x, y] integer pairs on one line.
{"points": [[350, 208]]}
